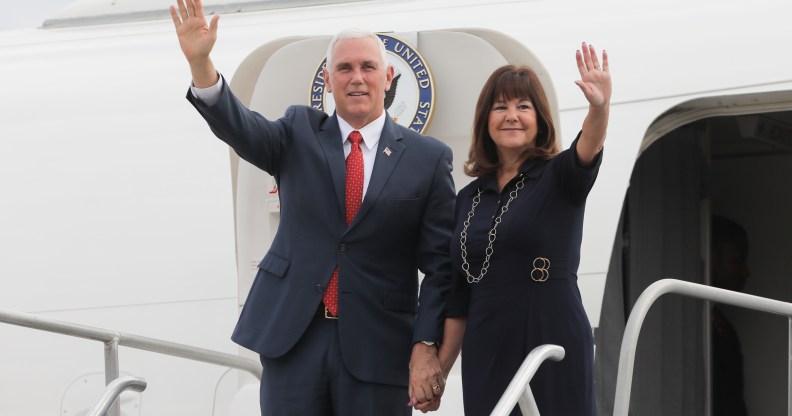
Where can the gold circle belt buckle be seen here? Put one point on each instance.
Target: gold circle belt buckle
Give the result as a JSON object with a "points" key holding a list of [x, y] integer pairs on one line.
{"points": [[541, 269]]}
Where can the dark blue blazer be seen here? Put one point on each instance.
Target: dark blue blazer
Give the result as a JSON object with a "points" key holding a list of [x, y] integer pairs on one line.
{"points": [[404, 225]]}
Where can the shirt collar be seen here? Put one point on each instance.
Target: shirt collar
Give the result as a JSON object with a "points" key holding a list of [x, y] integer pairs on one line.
{"points": [[371, 132]]}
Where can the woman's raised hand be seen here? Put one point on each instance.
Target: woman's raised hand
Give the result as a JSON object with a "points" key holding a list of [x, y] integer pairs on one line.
{"points": [[595, 80]]}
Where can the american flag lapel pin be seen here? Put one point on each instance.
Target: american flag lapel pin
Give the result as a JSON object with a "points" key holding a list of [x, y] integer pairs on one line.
{"points": [[387, 151]]}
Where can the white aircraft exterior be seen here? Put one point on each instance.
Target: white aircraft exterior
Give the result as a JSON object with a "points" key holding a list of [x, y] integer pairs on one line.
{"points": [[119, 211]]}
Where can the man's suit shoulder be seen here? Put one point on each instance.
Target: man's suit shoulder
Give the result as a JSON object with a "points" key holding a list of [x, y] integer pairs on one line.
{"points": [[427, 143], [303, 113]]}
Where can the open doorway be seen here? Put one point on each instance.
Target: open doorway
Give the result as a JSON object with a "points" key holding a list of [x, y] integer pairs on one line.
{"points": [[751, 167], [729, 156]]}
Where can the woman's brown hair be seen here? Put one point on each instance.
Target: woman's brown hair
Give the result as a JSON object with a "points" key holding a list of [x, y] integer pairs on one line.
{"points": [[507, 83]]}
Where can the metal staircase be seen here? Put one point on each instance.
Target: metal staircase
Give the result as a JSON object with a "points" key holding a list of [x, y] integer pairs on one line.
{"points": [[112, 340]]}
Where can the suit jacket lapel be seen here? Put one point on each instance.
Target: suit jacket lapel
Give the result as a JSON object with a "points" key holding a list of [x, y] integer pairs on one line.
{"points": [[330, 140], [384, 163]]}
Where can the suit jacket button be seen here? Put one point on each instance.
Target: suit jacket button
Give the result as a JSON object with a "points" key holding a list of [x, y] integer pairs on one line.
{"points": [[319, 289], [342, 247]]}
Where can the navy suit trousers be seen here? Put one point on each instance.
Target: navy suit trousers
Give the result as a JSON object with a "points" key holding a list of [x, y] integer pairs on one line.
{"points": [[321, 385]]}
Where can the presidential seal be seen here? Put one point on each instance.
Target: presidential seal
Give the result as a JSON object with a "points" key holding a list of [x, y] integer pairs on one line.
{"points": [[410, 101]]}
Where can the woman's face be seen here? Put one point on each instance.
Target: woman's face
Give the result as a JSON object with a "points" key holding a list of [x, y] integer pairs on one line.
{"points": [[512, 125]]}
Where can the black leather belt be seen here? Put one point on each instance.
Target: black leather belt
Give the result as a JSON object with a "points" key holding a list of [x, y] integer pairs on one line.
{"points": [[323, 312]]}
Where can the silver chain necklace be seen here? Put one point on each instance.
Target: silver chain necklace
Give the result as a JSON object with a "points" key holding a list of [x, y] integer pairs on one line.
{"points": [[491, 235]]}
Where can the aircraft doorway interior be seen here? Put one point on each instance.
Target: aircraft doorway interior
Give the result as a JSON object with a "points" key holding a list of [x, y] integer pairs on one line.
{"points": [[737, 167], [751, 161]]}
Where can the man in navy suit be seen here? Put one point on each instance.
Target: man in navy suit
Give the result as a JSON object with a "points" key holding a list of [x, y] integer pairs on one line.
{"points": [[369, 345]]}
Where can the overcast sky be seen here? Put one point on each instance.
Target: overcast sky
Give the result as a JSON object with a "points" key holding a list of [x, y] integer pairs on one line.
{"points": [[21, 14]]}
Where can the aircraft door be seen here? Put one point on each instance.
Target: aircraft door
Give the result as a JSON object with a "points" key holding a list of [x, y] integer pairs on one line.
{"points": [[751, 164], [659, 237], [445, 69], [285, 72], [729, 160]]}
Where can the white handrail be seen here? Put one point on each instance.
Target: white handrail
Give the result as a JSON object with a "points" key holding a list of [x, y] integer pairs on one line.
{"points": [[661, 287], [113, 339], [132, 341], [519, 389], [113, 390]]}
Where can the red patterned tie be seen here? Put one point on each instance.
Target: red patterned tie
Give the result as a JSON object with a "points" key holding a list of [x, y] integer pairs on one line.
{"points": [[354, 197]]}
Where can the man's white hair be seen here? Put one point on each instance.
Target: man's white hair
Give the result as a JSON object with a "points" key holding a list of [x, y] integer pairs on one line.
{"points": [[355, 33]]}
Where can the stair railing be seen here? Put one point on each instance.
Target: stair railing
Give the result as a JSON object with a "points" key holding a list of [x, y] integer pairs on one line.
{"points": [[661, 287], [519, 389], [113, 390], [113, 339]]}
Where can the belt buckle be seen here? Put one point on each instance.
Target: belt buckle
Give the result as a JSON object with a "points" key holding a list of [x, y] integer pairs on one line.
{"points": [[328, 314], [541, 269]]}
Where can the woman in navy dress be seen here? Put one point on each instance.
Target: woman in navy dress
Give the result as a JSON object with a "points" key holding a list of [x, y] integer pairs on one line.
{"points": [[516, 246]]}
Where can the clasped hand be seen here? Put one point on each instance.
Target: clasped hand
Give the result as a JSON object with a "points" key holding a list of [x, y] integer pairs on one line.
{"points": [[426, 378]]}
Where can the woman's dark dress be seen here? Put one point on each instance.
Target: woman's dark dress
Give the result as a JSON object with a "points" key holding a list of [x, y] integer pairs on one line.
{"points": [[509, 313]]}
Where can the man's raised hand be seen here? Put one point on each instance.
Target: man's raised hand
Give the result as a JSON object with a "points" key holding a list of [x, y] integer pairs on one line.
{"points": [[196, 39]]}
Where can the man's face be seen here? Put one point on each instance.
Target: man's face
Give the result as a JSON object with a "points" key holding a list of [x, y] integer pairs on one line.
{"points": [[358, 80]]}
